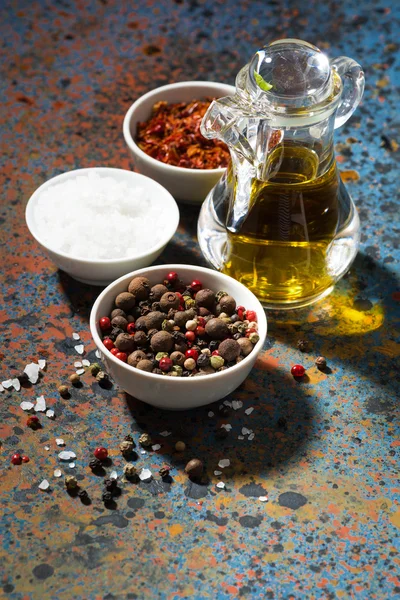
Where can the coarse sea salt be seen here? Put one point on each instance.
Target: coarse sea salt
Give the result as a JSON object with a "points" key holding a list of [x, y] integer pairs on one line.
{"points": [[111, 217], [220, 485], [76, 336], [79, 348], [32, 370], [26, 405], [86, 362], [224, 462], [40, 405], [16, 384], [145, 474], [248, 411], [44, 485]]}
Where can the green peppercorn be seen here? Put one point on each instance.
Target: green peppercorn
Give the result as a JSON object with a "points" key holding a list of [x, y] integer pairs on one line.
{"points": [[70, 482], [190, 303], [220, 295], [161, 355], [94, 369], [254, 337], [177, 370], [217, 362]]}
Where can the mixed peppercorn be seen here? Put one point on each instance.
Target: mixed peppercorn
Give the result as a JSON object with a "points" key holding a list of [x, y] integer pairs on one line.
{"points": [[178, 330], [172, 135]]}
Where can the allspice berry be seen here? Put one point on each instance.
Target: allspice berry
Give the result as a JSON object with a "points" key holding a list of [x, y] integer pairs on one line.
{"points": [[125, 301], [140, 288], [135, 357], [178, 358], [145, 365], [118, 312], [125, 343], [321, 363], [141, 323], [229, 349], [162, 342], [180, 446], [168, 301], [205, 298], [145, 440], [182, 316], [157, 291], [245, 346], [140, 339], [154, 319], [216, 329], [63, 390], [119, 322], [194, 468], [227, 304], [75, 379]]}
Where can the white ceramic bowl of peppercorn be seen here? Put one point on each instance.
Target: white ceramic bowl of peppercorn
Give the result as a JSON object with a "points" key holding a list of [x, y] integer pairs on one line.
{"points": [[188, 185], [163, 391]]}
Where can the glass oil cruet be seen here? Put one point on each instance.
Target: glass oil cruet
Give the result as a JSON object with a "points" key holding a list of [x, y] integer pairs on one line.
{"points": [[280, 220]]}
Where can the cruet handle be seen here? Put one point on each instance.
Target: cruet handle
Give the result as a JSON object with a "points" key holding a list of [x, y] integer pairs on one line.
{"points": [[353, 81]]}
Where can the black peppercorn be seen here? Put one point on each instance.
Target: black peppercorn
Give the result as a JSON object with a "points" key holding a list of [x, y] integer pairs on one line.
{"points": [[128, 438], [156, 306], [237, 336], [213, 345], [282, 423], [303, 345], [107, 497], [203, 361], [95, 464], [194, 468], [84, 496], [164, 471], [110, 484]]}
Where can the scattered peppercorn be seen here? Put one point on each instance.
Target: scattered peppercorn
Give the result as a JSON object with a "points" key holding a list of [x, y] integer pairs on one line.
{"points": [[101, 453], [16, 459], [297, 371], [33, 422], [145, 440], [107, 497], [94, 369], [130, 471], [71, 482], [164, 471], [84, 496], [303, 345], [321, 363], [194, 468], [126, 447], [110, 484], [180, 446], [25, 459], [75, 379], [95, 464], [63, 390], [102, 378]]}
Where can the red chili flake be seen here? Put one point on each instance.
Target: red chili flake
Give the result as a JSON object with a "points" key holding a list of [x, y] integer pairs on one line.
{"points": [[172, 135]]}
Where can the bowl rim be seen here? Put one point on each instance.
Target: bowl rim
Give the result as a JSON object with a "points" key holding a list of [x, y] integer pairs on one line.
{"points": [[170, 267], [166, 237], [135, 148]]}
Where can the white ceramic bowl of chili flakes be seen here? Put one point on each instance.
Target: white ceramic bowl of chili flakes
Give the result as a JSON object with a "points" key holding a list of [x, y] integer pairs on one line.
{"points": [[190, 186], [178, 393]]}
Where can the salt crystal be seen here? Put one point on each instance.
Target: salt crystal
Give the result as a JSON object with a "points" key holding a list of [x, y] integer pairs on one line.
{"points": [[42, 363], [40, 404], [220, 485], [228, 403], [245, 431], [57, 473], [32, 370], [211, 414], [251, 437], [26, 405], [165, 433], [248, 411], [7, 384], [263, 498], [44, 485], [60, 442], [145, 474], [80, 371], [224, 462], [104, 204], [156, 447], [50, 413], [143, 452], [98, 354], [86, 362], [226, 426], [71, 465], [1, 388], [79, 348], [16, 384], [66, 455], [47, 447], [236, 404], [77, 364], [240, 437], [217, 472], [76, 336], [113, 475]]}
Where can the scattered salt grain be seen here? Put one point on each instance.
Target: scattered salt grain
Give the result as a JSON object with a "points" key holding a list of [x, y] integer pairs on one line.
{"points": [[1, 388], [224, 462], [76, 336], [263, 498], [101, 205], [42, 363], [86, 362], [211, 414], [40, 405], [71, 465], [57, 473], [79, 348], [66, 455], [165, 433], [47, 448], [113, 475], [50, 413], [226, 426], [220, 485], [44, 485], [77, 364], [217, 472], [228, 403], [248, 411], [156, 447], [145, 474], [98, 354], [26, 405], [143, 452], [7, 384], [32, 370], [251, 437], [236, 404], [245, 431], [60, 442], [80, 371], [240, 437], [16, 384]]}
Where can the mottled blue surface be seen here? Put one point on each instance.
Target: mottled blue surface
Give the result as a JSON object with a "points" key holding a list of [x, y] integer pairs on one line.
{"points": [[70, 70]]}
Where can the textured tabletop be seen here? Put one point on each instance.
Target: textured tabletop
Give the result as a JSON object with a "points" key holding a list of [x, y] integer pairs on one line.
{"points": [[325, 450]]}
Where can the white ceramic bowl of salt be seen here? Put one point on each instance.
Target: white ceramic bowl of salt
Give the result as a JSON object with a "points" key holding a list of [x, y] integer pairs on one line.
{"points": [[99, 224]]}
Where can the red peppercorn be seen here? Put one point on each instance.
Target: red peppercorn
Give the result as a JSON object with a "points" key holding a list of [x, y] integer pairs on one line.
{"points": [[196, 285], [130, 328], [240, 312], [200, 331], [251, 315], [192, 353], [190, 336], [297, 370], [181, 298], [33, 422], [165, 364], [25, 459], [172, 277], [105, 323], [114, 351], [121, 356], [101, 453], [201, 321], [109, 344], [215, 353], [16, 459]]}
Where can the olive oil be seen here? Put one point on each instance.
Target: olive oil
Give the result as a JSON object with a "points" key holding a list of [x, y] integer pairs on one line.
{"points": [[281, 251]]}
